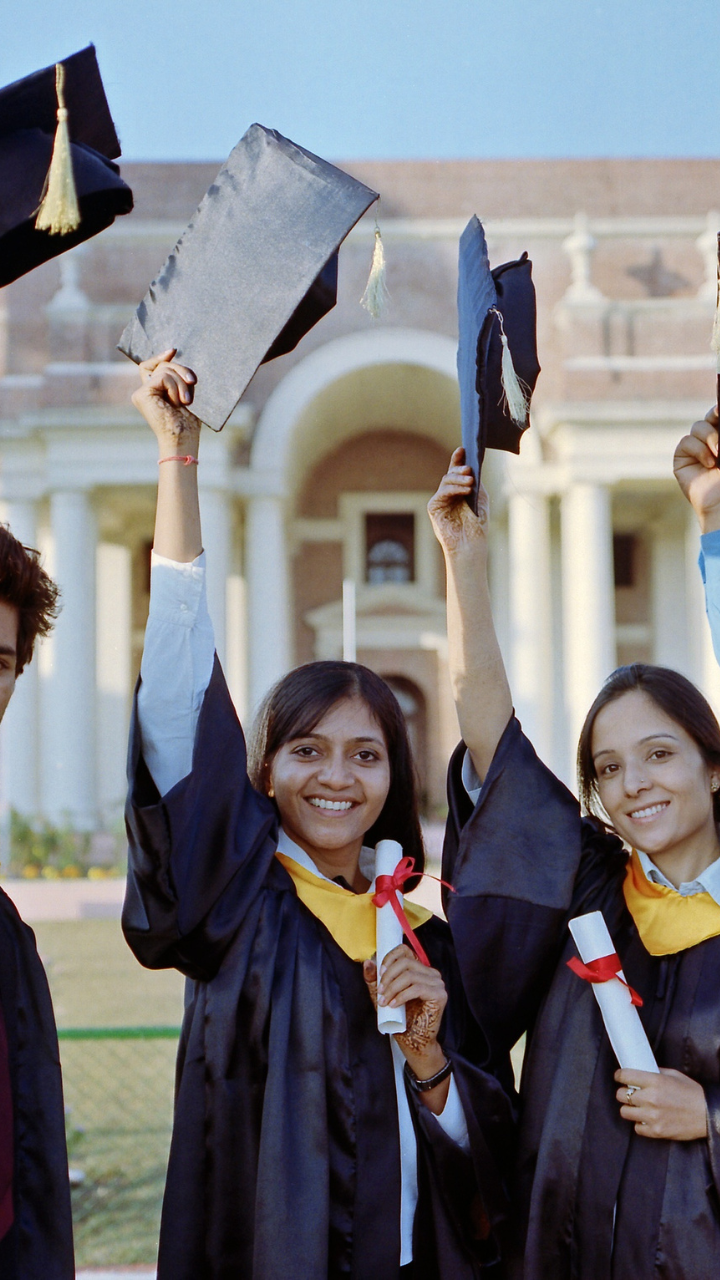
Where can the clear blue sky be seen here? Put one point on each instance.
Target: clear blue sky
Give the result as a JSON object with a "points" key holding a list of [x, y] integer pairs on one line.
{"points": [[393, 78]]}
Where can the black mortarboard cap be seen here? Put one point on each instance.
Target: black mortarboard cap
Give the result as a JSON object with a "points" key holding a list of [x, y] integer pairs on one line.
{"points": [[28, 121], [497, 321], [255, 269]]}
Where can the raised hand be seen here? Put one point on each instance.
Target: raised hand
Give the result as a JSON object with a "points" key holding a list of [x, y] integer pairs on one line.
{"points": [[668, 1105], [451, 516], [697, 473], [163, 398], [166, 391]]}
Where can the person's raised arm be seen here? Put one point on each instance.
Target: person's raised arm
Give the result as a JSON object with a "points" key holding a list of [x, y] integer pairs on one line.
{"points": [[697, 473], [193, 818], [163, 399], [179, 648], [477, 672]]}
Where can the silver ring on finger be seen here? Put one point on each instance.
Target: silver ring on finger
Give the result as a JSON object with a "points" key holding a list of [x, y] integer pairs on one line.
{"points": [[631, 1089]]}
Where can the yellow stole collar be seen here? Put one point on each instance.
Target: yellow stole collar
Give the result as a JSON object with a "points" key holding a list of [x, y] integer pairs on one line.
{"points": [[667, 922], [349, 917]]}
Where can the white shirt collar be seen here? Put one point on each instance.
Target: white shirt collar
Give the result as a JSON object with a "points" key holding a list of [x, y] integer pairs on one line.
{"points": [[708, 882], [292, 850]]}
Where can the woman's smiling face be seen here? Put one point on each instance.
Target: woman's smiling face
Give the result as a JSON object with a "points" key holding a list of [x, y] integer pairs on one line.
{"points": [[653, 781], [330, 785]]}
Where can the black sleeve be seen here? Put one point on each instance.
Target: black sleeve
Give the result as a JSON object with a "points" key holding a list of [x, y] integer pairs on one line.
{"points": [[712, 1101], [468, 1189], [514, 862], [40, 1242], [199, 855]]}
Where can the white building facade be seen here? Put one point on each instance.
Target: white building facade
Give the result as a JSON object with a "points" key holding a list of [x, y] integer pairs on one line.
{"points": [[325, 469]]}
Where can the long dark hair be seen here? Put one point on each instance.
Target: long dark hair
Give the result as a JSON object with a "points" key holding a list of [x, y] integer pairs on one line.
{"points": [[298, 702], [673, 694]]}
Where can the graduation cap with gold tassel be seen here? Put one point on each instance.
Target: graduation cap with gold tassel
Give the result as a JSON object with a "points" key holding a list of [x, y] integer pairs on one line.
{"points": [[59, 184], [59, 212], [497, 350]]}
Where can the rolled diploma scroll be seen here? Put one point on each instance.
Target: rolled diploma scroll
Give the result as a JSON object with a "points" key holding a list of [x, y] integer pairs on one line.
{"points": [[389, 933], [622, 1021]]}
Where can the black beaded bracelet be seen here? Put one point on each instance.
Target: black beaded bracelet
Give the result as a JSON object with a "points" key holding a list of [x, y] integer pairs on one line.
{"points": [[424, 1086]]}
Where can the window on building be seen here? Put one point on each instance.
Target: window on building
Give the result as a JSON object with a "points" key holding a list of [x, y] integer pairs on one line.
{"points": [[633, 605], [389, 548], [624, 559]]}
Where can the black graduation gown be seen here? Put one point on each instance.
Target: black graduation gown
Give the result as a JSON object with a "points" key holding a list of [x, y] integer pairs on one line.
{"points": [[39, 1244], [523, 863], [285, 1151]]}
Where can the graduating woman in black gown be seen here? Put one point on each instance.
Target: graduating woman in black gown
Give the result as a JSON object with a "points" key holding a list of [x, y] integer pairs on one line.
{"points": [[299, 1149], [618, 1172]]}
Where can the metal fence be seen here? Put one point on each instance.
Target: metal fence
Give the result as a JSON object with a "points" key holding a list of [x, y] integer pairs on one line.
{"points": [[118, 1094]]}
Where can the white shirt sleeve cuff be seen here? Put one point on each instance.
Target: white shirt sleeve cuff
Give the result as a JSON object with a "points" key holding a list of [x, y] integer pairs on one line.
{"points": [[176, 589], [470, 780], [452, 1118]]}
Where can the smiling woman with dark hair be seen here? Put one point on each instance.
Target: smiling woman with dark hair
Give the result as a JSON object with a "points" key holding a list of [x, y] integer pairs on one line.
{"points": [[305, 1144], [618, 1172], [296, 705]]}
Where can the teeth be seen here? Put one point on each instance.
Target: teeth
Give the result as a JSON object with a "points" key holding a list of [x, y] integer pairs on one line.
{"points": [[337, 805], [648, 813]]}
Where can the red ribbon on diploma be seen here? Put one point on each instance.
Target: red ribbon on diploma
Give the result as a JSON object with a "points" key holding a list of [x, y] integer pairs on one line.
{"points": [[386, 890], [603, 970]]}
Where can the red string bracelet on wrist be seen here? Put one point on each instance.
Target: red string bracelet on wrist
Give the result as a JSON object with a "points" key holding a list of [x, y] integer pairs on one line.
{"points": [[186, 459]]}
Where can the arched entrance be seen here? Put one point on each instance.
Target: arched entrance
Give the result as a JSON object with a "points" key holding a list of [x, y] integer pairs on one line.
{"points": [[347, 451]]}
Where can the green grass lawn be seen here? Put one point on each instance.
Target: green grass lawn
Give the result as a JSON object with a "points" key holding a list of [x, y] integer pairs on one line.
{"points": [[96, 981], [118, 1092]]}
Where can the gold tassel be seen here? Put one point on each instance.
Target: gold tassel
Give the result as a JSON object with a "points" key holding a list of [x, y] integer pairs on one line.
{"points": [[516, 396], [59, 212], [376, 292]]}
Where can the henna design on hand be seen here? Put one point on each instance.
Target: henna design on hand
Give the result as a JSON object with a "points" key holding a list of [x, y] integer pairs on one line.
{"points": [[423, 1022]]}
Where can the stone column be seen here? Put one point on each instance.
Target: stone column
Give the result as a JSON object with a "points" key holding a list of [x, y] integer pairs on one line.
{"points": [[672, 607], [20, 730], [114, 660], [216, 532], [69, 729], [530, 600], [588, 602], [269, 641]]}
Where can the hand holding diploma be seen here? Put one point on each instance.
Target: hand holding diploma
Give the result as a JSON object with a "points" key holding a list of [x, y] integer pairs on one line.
{"points": [[666, 1104], [615, 999], [409, 996], [389, 934], [407, 986]]}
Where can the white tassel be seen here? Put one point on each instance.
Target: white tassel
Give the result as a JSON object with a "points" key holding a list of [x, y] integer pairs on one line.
{"points": [[59, 212], [516, 396], [376, 292]]}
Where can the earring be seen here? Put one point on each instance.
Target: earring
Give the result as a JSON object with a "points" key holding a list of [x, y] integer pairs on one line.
{"points": [[271, 792], [715, 785]]}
